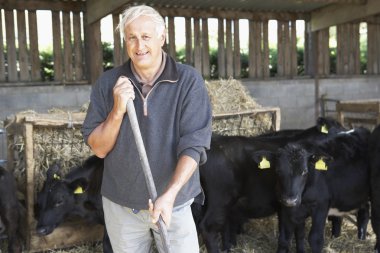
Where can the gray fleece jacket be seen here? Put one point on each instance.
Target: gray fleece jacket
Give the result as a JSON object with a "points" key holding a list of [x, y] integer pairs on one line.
{"points": [[177, 122]]}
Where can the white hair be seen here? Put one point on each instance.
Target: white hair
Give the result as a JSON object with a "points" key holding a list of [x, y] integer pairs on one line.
{"points": [[131, 13]]}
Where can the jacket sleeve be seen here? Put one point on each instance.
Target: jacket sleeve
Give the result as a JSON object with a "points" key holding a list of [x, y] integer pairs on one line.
{"points": [[97, 110], [195, 121]]}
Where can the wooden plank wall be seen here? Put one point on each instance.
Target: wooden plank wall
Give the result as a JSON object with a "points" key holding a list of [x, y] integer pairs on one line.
{"points": [[348, 49], [258, 49], [20, 53], [286, 48], [373, 53], [323, 52]]}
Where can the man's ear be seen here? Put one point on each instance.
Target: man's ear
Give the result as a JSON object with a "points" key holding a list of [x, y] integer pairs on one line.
{"points": [[163, 37]]}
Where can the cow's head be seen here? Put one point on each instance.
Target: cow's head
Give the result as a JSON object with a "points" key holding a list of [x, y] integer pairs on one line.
{"points": [[329, 126], [296, 166], [57, 200]]}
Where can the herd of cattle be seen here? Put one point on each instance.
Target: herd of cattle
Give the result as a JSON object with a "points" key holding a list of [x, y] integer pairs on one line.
{"points": [[321, 172]]}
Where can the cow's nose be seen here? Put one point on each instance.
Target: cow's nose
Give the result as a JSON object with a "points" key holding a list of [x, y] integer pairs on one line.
{"points": [[42, 231], [291, 201]]}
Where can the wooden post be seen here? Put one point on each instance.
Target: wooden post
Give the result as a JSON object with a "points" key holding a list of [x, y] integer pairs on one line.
{"points": [[34, 52], [94, 52], [266, 72], [23, 58], [171, 31], [229, 54], [236, 60], [287, 63], [78, 48], [189, 41], [67, 47], [259, 52], [221, 49], [205, 50], [2, 57], [293, 49], [117, 51], [57, 47], [11, 46], [251, 50], [29, 164], [280, 48], [197, 46], [370, 47]]}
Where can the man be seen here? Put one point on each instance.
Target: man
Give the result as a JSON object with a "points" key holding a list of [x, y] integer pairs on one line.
{"points": [[174, 115]]}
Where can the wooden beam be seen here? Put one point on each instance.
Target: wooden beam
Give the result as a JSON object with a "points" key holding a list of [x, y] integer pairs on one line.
{"points": [[212, 13], [336, 1], [34, 5], [339, 14], [99, 9]]}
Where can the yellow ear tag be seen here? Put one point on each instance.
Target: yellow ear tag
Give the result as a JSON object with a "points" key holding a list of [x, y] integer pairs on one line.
{"points": [[320, 165], [264, 164], [324, 129], [55, 176], [79, 190]]}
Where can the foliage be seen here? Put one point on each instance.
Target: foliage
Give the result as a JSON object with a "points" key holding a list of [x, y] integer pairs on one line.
{"points": [[47, 65], [107, 56]]}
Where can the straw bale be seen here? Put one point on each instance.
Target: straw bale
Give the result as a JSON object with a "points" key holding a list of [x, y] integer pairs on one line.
{"points": [[230, 96]]}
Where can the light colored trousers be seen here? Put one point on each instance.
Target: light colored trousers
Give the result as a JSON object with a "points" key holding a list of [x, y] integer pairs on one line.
{"points": [[132, 231]]}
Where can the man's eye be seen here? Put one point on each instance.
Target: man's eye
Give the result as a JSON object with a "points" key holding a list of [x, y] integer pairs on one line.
{"points": [[145, 37]]}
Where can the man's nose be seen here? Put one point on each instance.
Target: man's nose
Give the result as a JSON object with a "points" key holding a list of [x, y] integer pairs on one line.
{"points": [[140, 43]]}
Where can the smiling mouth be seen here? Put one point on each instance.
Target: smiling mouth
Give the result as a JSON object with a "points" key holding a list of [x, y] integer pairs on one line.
{"points": [[141, 54]]}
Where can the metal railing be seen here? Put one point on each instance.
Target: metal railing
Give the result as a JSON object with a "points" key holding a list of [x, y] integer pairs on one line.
{"points": [[3, 147]]}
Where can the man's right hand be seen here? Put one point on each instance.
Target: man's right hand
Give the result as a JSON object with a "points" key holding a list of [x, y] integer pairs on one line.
{"points": [[122, 92]]}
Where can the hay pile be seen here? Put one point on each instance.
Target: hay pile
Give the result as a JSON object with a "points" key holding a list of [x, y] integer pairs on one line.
{"points": [[261, 235], [229, 100], [51, 144]]}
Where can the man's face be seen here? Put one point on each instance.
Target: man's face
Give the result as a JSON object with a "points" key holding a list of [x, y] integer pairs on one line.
{"points": [[143, 43]]}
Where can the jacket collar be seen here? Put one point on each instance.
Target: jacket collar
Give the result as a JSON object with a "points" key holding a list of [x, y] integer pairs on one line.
{"points": [[169, 74]]}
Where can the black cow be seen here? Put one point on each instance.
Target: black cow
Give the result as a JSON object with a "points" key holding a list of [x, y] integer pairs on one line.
{"points": [[77, 194], [236, 188], [374, 153], [307, 188], [12, 213]]}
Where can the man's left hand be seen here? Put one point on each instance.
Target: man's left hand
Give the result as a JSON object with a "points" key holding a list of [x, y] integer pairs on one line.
{"points": [[162, 206]]}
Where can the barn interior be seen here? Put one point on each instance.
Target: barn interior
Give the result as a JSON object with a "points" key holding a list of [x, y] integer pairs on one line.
{"points": [[327, 66]]}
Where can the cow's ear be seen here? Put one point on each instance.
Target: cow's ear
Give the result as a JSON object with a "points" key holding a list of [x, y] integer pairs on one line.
{"points": [[78, 186], [320, 162], [264, 159], [54, 172]]}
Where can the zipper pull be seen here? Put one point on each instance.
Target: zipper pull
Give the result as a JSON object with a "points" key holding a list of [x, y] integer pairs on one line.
{"points": [[145, 107]]}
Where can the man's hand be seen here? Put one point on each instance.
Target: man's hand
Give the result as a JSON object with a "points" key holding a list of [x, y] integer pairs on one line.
{"points": [[164, 207], [122, 92]]}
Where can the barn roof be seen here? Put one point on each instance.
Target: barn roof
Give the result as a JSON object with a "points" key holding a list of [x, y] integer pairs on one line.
{"points": [[321, 13]]}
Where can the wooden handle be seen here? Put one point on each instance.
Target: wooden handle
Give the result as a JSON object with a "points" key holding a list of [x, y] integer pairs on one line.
{"points": [[147, 171]]}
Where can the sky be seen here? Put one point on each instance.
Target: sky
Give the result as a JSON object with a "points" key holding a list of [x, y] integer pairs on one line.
{"points": [[45, 34]]}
